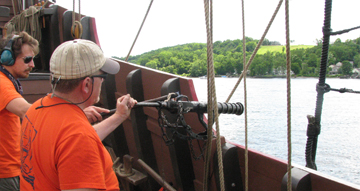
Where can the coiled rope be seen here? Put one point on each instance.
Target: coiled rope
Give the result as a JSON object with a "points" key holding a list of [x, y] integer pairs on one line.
{"points": [[212, 103], [28, 20]]}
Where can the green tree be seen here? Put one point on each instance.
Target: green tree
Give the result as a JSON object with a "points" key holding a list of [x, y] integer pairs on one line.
{"points": [[153, 64], [164, 58], [198, 68], [357, 61], [346, 68], [295, 68], [312, 60], [304, 69], [250, 46]]}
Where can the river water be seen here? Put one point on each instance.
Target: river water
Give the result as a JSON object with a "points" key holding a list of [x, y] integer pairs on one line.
{"points": [[338, 151]]}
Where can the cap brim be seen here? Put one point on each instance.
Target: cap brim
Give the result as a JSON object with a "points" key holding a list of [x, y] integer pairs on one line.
{"points": [[110, 66]]}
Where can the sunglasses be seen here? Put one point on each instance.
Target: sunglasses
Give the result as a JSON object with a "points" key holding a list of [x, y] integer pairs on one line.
{"points": [[100, 76], [28, 59]]}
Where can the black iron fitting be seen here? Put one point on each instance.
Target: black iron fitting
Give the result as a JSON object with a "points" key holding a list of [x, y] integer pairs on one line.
{"points": [[322, 88], [327, 31], [313, 128]]}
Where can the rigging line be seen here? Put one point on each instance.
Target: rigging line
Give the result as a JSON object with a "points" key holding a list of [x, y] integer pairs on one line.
{"points": [[321, 83], [13, 5], [256, 49], [137, 35], [326, 88], [79, 10], [212, 107], [288, 77], [344, 90], [19, 6], [73, 13], [245, 104], [209, 107], [344, 31]]}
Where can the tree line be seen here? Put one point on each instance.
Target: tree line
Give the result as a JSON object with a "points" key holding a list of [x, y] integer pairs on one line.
{"points": [[191, 59]]}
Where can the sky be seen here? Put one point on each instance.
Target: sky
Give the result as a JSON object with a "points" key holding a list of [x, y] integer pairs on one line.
{"points": [[176, 22]]}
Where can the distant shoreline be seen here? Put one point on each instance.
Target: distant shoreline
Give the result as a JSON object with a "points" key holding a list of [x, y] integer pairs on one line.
{"points": [[263, 77]]}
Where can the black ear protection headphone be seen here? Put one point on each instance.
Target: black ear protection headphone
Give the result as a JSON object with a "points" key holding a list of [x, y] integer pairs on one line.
{"points": [[7, 56]]}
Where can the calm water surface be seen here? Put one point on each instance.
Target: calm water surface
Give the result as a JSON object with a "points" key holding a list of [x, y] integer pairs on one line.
{"points": [[338, 152]]}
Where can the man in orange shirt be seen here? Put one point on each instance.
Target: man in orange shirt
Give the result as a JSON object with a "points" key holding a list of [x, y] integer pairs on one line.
{"points": [[16, 61], [60, 148]]}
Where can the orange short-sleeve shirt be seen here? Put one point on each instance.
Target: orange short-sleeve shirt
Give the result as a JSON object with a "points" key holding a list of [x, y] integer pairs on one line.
{"points": [[60, 150], [9, 131]]}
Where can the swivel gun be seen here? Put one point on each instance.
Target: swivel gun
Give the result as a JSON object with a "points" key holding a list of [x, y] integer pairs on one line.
{"points": [[177, 107], [189, 106]]}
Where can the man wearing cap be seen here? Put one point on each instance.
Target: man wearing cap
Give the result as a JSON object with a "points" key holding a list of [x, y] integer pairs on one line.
{"points": [[60, 148]]}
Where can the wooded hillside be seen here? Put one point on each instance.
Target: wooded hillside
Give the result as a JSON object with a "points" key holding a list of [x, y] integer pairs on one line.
{"points": [[190, 59]]}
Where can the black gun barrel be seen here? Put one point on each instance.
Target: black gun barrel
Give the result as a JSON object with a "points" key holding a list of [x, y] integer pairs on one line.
{"points": [[224, 108], [190, 106]]}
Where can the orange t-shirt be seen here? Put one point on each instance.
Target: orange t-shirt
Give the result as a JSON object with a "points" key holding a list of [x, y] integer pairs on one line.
{"points": [[60, 150], [9, 131]]}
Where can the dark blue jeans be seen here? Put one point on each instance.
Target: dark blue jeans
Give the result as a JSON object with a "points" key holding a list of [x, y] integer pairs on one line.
{"points": [[10, 184]]}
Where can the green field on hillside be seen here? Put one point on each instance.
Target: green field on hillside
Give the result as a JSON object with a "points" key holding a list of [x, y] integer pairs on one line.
{"points": [[279, 48]]}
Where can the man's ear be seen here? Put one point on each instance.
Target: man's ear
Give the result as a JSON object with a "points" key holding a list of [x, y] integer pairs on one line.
{"points": [[86, 85]]}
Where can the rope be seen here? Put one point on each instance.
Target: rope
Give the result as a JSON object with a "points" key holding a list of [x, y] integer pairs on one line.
{"points": [[255, 51], [28, 21], [73, 13], [322, 76], [245, 104], [20, 5], [212, 106], [13, 5], [210, 114], [79, 10], [288, 77], [76, 28], [344, 90], [137, 35]]}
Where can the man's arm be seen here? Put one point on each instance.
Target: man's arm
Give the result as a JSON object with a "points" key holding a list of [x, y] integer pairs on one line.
{"points": [[18, 106], [123, 109]]}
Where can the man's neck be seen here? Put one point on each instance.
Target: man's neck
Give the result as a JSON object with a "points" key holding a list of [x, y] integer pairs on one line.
{"points": [[71, 98], [9, 69]]}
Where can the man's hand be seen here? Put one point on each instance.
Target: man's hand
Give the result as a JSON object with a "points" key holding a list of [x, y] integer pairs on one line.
{"points": [[93, 113], [124, 105]]}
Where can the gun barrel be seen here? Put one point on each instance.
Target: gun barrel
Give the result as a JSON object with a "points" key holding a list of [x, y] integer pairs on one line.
{"points": [[190, 106], [225, 108]]}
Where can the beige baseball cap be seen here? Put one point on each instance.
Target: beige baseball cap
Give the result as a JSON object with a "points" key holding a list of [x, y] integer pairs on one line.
{"points": [[80, 58]]}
